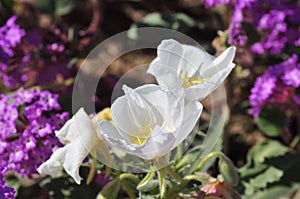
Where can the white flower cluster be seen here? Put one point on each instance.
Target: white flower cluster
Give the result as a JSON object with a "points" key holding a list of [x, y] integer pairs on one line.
{"points": [[151, 120]]}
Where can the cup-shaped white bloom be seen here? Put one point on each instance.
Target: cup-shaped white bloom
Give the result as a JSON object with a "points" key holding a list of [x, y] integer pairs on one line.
{"points": [[149, 121], [80, 138], [186, 66]]}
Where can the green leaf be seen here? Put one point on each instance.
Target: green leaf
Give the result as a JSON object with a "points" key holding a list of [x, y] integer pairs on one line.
{"points": [[45, 6], [270, 175], [267, 149], [271, 121], [176, 21], [228, 171], [279, 191], [146, 180], [111, 190], [63, 7], [56, 7], [151, 185]]}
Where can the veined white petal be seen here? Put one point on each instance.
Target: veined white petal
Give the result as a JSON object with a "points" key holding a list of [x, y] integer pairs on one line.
{"points": [[121, 116], [67, 133], [169, 53], [113, 136], [81, 138], [168, 103], [69, 157], [158, 145], [196, 68], [165, 76], [138, 108], [53, 166], [200, 91], [221, 62], [192, 60], [197, 92], [192, 113]]}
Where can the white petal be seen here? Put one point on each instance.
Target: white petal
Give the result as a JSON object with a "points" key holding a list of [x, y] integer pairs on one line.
{"points": [[165, 66], [193, 59], [139, 109], [63, 133], [69, 157], [164, 75], [191, 115], [169, 53], [53, 166], [221, 62], [169, 104], [122, 117], [158, 145], [113, 136], [68, 131], [198, 92], [82, 136]]}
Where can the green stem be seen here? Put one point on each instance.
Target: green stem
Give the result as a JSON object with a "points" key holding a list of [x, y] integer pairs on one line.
{"points": [[147, 178], [162, 183], [208, 157], [129, 176], [178, 154], [194, 177], [173, 174], [125, 185], [295, 141]]}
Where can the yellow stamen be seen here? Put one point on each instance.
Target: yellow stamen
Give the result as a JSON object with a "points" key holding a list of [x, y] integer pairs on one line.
{"points": [[104, 115], [92, 170], [189, 81], [145, 132]]}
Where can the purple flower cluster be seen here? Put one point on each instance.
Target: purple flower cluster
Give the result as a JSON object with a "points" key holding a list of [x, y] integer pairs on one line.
{"points": [[10, 35], [276, 21], [28, 119], [5, 191], [276, 86], [212, 3], [24, 58]]}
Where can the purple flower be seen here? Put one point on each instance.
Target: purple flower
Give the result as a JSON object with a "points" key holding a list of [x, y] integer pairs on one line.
{"points": [[212, 3], [10, 35], [5, 191], [28, 120], [277, 23], [276, 85]]}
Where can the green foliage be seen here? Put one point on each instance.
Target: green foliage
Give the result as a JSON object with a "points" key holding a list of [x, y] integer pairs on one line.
{"points": [[175, 21], [271, 121], [56, 7], [270, 171], [228, 171]]}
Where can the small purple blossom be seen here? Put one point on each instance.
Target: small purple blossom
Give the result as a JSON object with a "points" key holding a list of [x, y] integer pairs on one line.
{"points": [[5, 191], [10, 35], [212, 3], [276, 85], [28, 120]]}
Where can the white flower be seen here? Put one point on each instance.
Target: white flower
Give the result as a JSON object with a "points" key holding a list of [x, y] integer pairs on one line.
{"points": [[149, 121], [179, 65], [80, 138]]}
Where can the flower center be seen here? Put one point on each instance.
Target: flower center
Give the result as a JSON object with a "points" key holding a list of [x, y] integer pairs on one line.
{"points": [[145, 132], [189, 81]]}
